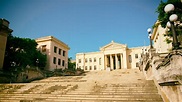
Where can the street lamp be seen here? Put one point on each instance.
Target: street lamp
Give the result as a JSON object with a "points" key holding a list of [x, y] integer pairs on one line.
{"points": [[168, 9], [37, 62], [149, 30]]}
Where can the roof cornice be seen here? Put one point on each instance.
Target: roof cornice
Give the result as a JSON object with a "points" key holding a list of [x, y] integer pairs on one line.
{"points": [[51, 38]]}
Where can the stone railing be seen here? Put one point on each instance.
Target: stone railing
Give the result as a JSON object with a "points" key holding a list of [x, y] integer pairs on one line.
{"points": [[166, 71], [146, 63], [169, 70]]}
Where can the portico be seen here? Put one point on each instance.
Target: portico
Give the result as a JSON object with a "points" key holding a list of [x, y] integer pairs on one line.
{"points": [[113, 61]]}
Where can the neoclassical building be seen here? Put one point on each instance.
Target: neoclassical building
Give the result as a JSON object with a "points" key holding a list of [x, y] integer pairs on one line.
{"points": [[56, 51], [112, 56]]}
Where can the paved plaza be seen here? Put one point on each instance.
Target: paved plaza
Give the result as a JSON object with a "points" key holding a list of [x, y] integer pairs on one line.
{"points": [[97, 86]]}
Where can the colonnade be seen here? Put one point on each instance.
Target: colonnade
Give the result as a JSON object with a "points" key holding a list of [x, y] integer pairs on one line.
{"points": [[114, 61]]}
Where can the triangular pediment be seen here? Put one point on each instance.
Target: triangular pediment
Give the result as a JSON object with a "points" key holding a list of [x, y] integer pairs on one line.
{"points": [[113, 45]]}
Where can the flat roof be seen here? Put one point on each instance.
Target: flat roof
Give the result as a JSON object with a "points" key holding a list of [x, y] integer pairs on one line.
{"points": [[51, 38]]}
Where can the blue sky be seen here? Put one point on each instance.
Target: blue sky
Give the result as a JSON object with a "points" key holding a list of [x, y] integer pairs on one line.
{"points": [[85, 25]]}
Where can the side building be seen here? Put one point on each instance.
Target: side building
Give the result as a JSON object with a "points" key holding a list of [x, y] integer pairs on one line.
{"points": [[159, 40], [110, 57], [56, 51]]}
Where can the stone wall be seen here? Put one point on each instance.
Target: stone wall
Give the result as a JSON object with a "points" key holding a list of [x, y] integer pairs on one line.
{"points": [[29, 75], [166, 71]]}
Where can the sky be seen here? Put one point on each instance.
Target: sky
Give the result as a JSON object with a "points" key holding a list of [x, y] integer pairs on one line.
{"points": [[84, 25]]}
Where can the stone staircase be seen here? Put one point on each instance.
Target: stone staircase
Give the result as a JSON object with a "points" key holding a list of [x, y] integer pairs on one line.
{"points": [[125, 86]]}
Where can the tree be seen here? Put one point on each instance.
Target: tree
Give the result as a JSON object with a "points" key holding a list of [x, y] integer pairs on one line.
{"points": [[41, 60], [71, 65], [164, 17], [21, 52]]}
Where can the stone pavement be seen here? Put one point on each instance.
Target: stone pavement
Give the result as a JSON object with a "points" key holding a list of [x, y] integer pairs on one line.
{"points": [[98, 86]]}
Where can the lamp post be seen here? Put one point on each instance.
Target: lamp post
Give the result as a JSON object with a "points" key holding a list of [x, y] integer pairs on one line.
{"points": [[37, 62], [168, 9], [149, 30]]}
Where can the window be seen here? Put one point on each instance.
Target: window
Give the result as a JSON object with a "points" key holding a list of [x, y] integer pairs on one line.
{"points": [[59, 61], [44, 48], [85, 67], [90, 59], [54, 60], [86, 60], [94, 59], [136, 55], [59, 51], [64, 52], [55, 49], [79, 61], [95, 67], [63, 63], [137, 64], [90, 67], [130, 59]]}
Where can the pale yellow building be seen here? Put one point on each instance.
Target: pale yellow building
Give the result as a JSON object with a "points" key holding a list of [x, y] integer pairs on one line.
{"points": [[56, 51], [159, 40], [110, 57]]}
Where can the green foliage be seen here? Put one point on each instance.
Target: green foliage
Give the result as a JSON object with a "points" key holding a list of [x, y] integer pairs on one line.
{"points": [[164, 17], [42, 59], [21, 52], [168, 41], [71, 66], [67, 72]]}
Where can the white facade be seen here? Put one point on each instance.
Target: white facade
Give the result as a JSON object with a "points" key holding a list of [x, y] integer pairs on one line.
{"points": [[56, 51], [110, 57], [159, 39]]}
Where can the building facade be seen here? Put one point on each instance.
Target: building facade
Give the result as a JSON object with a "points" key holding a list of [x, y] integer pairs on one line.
{"points": [[112, 56], [159, 40], [56, 51]]}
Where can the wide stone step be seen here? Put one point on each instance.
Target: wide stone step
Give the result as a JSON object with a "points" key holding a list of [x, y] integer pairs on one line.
{"points": [[66, 88], [83, 94], [46, 97], [70, 100], [85, 89], [124, 88], [130, 84], [141, 91], [96, 96], [114, 93]]}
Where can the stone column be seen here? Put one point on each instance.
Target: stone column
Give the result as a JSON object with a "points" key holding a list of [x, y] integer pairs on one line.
{"points": [[121, 60], [105, 62], [111, 62], [116, 61], [4, 31]]}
